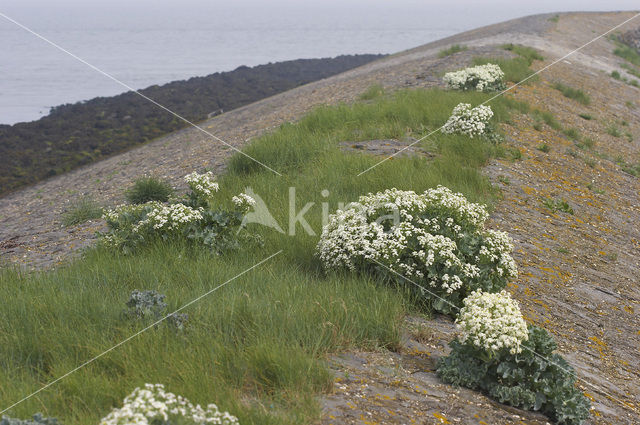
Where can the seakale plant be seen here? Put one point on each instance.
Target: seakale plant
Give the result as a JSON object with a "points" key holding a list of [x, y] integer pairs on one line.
{"points": [[499, 355]]}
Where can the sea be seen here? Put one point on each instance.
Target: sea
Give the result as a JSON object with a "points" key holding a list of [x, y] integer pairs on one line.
{"points": [[146, 42]]}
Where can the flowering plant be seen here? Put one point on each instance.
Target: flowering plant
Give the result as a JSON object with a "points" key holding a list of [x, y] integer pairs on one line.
{"points": [[202, 187], [486, 77], [153, 405], [467, 120], [535, 378], [492, 322], [132, 224], [193, 218], [243, 202], [436, 239]]}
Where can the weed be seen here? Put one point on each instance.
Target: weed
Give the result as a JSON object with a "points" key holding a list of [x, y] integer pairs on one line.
{"points": [[451, 50], [588, 142], [516, 69], [594, 189], [548, 118], [557, 205], [572, 133], [615, 74], [528, 53], [516, 154], [537, 126], [585, 117], [544, 148], [575, 94], [372, 92], [149, 188], [633, 169], [614, 131], [631, 69], [628, 53], [590, 162], [504, 180], [84, 209]]}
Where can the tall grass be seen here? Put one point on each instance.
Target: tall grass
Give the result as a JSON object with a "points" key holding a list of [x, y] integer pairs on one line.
{"points": [[82, 210], [451, 50], [256, 346], [515, 69], [575, 94]]}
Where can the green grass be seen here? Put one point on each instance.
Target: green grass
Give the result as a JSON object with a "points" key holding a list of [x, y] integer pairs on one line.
{"points": [[528, 53], [613, 130], [572, 133], [631, 69], [451, 50], [256, 347], [149, 188], [84, 209], [516, 69], [586, 117], [544, 148], [554, 18], [575, 94], [616, 75], [628, 53], [372, 92], [633, 169], [588, 142], [546, 117]]}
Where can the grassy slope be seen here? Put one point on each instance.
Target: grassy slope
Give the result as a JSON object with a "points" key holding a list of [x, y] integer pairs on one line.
{"points": [[255, 347]]}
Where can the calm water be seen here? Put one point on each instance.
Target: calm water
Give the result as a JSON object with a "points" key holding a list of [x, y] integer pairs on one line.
{"points": [[154, 42]]}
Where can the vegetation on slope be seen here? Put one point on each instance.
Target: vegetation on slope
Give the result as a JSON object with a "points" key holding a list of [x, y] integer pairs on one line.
{"points": [[255, 346], [84, 132]]}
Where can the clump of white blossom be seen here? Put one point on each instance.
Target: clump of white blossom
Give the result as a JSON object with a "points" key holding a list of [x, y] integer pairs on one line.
{"points": [[193, 218], [437, 239], [467, 120], [170, 218], [133, 223], [202, 185], [152, 405], [481, 78], [492, 322], [243, 202]]}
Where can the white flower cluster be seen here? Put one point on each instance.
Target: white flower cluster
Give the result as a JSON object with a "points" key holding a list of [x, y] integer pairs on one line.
{"points": [[114, 214], [481, 78], [243, 202], [169, 217], [421, 236], [492, 322], [153, 404], [202, 185], [467, 120], [496, 243]]}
